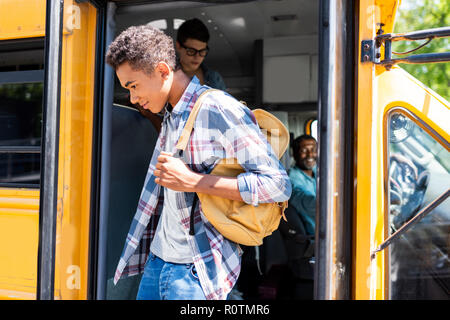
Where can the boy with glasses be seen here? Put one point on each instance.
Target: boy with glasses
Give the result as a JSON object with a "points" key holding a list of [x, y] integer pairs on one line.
{"points": [[192, 48]]}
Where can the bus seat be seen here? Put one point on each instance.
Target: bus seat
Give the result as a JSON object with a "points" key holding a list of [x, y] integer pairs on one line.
{"points": [[299, 246], [274, 251]]}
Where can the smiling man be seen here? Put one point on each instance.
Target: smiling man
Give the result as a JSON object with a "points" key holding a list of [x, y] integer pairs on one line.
{"points": [[176, 264], [303, 179]]}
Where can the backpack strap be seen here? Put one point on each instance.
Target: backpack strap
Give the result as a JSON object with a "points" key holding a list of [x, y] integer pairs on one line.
{"points": [[182, 144], [186, 133]]}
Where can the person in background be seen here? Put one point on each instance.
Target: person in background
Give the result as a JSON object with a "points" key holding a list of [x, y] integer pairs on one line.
{"points": [[303, 179], [192, 48], [298, 231]]}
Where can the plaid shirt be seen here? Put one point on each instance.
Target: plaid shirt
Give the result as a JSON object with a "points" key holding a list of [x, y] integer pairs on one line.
{"points": [[224, 128]]}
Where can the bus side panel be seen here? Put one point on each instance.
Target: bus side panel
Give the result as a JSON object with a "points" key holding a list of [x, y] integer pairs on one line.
{"points": [[19, 208], [19, 231], [22, 19]]}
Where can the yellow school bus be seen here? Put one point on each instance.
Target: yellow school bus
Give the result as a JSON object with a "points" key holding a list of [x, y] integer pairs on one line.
{"points": [[74, 151]]}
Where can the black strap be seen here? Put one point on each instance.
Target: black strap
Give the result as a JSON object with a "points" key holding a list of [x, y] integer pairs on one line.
{"points": [[191, 222], [179, 154]]}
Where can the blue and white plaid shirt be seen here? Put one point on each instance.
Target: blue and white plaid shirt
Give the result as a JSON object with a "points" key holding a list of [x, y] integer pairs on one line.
{"points": [[224, 128]]}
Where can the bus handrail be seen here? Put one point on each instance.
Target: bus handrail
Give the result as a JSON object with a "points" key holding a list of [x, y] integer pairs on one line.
{"points": [[422, 213], [416, 35], [370, 49]]}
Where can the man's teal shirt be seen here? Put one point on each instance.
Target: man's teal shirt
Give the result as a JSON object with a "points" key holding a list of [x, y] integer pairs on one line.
{"points": [[303, 197]]}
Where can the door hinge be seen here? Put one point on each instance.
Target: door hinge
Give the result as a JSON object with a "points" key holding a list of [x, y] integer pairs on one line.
{"points": [[368, 51]]}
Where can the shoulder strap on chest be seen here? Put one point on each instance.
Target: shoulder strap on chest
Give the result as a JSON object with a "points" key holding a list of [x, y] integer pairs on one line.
{"points": [[186, 133]]}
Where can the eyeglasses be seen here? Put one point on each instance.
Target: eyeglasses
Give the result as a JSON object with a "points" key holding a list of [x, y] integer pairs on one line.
{"points": [[192, 52]]}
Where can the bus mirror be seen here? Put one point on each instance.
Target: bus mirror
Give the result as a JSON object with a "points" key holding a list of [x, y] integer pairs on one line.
{"points": [[401, 128]]}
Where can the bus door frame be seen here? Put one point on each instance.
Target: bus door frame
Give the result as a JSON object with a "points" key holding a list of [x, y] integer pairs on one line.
{"points": [[49, 151], [335, 184]]}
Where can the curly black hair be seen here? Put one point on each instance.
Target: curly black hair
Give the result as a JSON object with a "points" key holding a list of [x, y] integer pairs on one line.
{"points": [[143, 47]]}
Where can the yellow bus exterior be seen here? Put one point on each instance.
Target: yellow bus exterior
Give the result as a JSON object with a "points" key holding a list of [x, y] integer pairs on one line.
{"points": [[378, 90], [20, 207]]}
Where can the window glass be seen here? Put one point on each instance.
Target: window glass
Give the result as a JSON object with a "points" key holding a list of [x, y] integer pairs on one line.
{"points": [[418, 173], [20, 114], [20, 137], [20, 168], [177, 23], [160, 24], [314, 128]]}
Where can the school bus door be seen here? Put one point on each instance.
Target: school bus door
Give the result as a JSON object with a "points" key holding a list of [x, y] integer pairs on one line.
{"points": [[402, 152], [70, 203]]}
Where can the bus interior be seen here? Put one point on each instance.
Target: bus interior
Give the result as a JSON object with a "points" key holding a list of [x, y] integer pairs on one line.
{"points": [[267, 54]]}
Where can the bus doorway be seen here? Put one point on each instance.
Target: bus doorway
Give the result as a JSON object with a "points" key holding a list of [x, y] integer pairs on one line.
{"points": [[267, 55]]}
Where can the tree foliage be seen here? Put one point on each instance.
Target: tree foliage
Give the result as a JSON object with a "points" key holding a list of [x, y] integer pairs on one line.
{"points": [[416, 15]]}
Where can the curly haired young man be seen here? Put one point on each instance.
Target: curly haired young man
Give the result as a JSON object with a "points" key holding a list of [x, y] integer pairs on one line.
{"points": [[176, 264]]}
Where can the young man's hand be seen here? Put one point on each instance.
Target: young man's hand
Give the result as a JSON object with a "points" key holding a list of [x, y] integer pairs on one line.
{"points": [[174, 174]]}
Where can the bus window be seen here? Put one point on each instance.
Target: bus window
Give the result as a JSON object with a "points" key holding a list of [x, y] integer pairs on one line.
{"points": [[314, 128], [21, 89], [311, 127], [418, 173]]}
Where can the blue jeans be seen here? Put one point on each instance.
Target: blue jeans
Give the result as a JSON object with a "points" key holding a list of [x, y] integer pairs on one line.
{"points": [[169, 281]]}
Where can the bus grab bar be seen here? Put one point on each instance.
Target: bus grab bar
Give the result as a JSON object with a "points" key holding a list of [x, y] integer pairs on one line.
{"points": [[422, 213], [370, 49]]}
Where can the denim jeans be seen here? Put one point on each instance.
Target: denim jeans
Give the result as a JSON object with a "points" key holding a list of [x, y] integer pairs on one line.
{"points": [[169, 281]]}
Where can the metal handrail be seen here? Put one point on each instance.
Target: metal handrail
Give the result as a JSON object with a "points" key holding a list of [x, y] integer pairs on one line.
{"points": [[371, 48], [416, 35], [422, 213]]}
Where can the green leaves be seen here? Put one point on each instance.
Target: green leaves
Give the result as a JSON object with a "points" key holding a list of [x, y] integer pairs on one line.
{"points": [[416, 15]]}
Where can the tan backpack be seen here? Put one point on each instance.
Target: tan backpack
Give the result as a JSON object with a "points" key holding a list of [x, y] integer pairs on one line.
{"points": [[236, 220]]}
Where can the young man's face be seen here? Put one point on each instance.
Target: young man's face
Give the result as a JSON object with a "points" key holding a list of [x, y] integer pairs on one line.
{"points": [[307, 154], [150, 91], [190, 62]]}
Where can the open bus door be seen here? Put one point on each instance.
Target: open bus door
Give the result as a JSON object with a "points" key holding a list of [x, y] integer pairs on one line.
{"points": [[383, 221], [68, 185], [401, 169]]}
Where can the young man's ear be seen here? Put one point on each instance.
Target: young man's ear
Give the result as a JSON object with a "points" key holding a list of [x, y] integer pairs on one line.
{"points": [[163, 69]]}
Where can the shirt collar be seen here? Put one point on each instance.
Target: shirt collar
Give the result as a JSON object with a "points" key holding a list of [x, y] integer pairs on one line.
{"points": [[297, 168], [185, 99]]}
